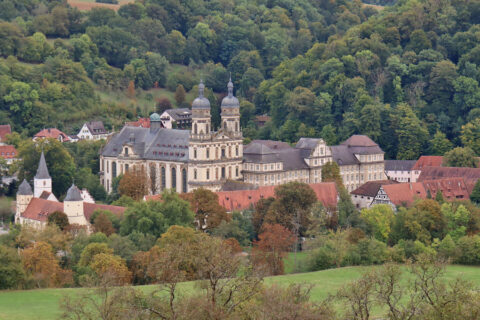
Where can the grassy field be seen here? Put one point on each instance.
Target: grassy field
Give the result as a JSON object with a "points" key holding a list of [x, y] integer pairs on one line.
{"points": [[89, 4], [43, 304]]}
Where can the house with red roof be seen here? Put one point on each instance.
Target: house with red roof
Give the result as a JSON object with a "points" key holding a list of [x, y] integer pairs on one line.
{"points": [[363, 196], [8, 153], [140, 123], [405, 194], [425, 162], [4, 130], [52, 133], [34, 206]]}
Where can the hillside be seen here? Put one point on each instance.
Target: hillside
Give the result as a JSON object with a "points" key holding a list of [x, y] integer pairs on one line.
{"points": [[43, 304]]}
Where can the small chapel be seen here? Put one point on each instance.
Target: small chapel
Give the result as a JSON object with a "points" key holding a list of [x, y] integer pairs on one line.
{"points": [[34, 206]]}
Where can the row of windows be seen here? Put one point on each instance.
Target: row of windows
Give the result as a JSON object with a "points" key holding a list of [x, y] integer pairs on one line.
{"points": [[223, 151], [222, 171]]}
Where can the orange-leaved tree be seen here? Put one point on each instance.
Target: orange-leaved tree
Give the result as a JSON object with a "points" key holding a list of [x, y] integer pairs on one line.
{"points": [[273, 244], [208, 212], [41, 264], [134, 183]]}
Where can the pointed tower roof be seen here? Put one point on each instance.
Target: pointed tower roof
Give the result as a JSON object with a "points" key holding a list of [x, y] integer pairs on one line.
{"points": [[73, 194], [42, 171], [25, 189]]}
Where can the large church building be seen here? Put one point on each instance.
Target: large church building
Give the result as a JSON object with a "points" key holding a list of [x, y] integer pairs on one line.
{"points": [[180, 159]]}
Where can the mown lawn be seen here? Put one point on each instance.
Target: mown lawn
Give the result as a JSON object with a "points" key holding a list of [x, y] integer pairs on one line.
{"points": [[42, 304]]}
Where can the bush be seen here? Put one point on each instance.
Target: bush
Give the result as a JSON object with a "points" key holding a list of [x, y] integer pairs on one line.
{"points": [[320, 259], [469, 250]]}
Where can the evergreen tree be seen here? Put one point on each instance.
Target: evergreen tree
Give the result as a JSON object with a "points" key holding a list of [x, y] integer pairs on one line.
{"points": [[475, 196], [439, 197]]}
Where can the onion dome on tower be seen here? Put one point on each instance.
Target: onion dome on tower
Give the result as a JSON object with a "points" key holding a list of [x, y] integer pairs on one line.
{"points": [[230, 101], [201, 102]]}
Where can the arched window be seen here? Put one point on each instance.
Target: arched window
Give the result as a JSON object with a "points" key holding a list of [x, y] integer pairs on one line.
{"points": [[223, 172], [164, 181], [195, 174], [174, 178], [225, 125], [236, 126], [153, 178], [208, 129], [208, 153], [114, 169], [236, 151], [236, 171], [195, 128], [126, 167], [184, 180], [194, 153], [208, 174]]}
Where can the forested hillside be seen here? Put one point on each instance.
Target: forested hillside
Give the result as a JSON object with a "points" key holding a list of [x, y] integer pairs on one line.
{"points": [[406, 75]]}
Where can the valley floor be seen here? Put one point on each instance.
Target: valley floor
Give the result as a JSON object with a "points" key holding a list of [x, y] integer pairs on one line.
{"points": [[43, 304]]}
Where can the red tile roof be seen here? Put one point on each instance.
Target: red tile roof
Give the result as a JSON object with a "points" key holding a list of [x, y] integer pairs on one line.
{"points": [[39, 209], [452, 188], [469, 175], [428, 161], [8, 152], [405, 193], [4, 130], [142, 122], [245, 199], [52, 133], [371, 188]]}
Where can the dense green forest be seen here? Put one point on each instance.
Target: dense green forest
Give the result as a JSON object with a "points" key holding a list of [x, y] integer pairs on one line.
{"points": [[406, 75]]}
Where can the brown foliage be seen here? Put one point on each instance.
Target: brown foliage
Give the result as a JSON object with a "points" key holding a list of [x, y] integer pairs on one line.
{"points": [[271, 248], [134, 184], [208, 212], [103, 224], [131, 90], [42, 265], [163, 104], [234, 245], [110, 266]]}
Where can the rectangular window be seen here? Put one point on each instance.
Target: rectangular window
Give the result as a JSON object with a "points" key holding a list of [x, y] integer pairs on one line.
{"points": [[208, 153]]}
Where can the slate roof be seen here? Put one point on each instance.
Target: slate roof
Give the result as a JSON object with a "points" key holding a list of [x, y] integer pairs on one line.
{"points": [[343, 156], [42, 171], [8, 152], [370, 189], [399, 165], [25, 189], [232, 185], [4, 130], [326, 193], [96, 127], [152, 144], [180, 114], [73, 194], [428, 161], [359, 141], [268, 151]]}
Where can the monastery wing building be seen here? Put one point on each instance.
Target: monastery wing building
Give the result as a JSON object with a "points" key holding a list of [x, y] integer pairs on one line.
{"points": [[269, 163], [180, 159]]}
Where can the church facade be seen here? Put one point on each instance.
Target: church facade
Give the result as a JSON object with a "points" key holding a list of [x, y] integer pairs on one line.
{"points": [[180, 159], [34, 206]]}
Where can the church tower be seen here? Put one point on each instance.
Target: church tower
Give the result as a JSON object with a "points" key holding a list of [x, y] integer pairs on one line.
{"points": [[73, 206], [201, 120], [231, 113], [42, 181], [24, 196]]}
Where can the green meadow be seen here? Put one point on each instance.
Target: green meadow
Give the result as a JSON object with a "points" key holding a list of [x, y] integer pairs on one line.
{"points": [[43, 304]]}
